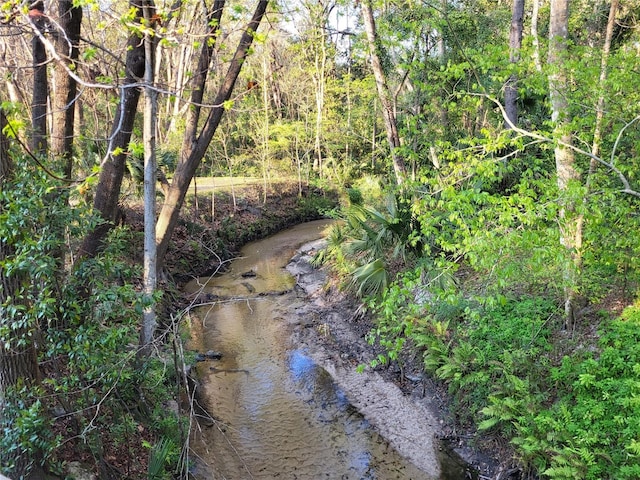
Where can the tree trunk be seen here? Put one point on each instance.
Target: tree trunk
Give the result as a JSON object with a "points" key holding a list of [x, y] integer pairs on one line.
{"points": [[6, 162], [149, 322], [186, 168], [180, 65], [199, 81], [390, 121], [113, 166], [534, 35], [515, 43], [320, 83], [66, 40], [443, 124], [318, 16], [597, 130], [565, 162], [40, 84], [266, 153], [11, 67], [606, 48]]}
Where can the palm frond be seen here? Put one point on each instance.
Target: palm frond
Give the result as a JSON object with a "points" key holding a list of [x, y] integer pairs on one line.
{"points": [[371, 278]]}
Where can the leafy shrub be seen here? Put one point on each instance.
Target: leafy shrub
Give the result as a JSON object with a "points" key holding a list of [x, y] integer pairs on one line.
{"points": [[355, 196], [95, 396], [115, 391], [592, 432], [27, 438], [494, 352], [315, 206]]}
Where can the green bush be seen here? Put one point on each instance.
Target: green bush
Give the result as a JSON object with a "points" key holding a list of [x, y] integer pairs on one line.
{"points": [[590, 431], [355, 196], [27, 437], [593, 431], [96, 396]]}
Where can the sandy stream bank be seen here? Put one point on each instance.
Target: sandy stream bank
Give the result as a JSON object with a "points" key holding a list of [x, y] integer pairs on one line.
{"points": [[326, 327]]}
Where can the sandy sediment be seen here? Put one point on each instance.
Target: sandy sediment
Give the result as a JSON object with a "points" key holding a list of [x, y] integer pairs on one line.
{"points": [[323, 330]]}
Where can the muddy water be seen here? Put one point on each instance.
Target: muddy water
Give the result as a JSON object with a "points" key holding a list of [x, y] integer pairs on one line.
{"points": [[278, 414]]}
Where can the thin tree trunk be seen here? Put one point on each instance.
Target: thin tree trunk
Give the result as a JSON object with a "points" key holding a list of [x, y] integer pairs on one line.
{"points": [[442, 60], [347, 137], [149, 322], [320, 80], [600, 105], [200, 80], [186, 168], [181, 68], [40, 83], [374, 135], [441, 46], [534, 35], [66, 40], [390, 121], [515, 43], [597, 131], [298, 158], [565, 162], [6, 162], [318, 12], [276, 91], [113, 166], [265, 129], [9, 63]]}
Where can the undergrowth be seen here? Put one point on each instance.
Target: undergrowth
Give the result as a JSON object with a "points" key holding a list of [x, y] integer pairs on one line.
{"points": [[480, 301], [570, 411], [92, 398]]}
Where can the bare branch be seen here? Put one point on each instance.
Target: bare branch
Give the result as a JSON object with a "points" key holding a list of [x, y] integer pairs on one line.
{"points": [[610, 165]]}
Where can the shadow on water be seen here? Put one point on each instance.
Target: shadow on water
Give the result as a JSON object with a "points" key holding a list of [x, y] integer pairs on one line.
{"points": [[278, 414], [452, 467]]}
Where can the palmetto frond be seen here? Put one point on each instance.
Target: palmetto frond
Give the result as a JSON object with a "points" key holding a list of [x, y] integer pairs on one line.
{"points": [[371, 278]]}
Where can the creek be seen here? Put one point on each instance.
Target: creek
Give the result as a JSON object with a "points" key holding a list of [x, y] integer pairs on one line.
{"points": [[278, 413]]}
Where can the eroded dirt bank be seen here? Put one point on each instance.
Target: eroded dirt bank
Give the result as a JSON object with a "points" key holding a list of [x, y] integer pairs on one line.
{"points": [[412, 418]]}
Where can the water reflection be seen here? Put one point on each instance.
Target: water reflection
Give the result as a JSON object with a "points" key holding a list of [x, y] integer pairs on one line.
{"points": [[279, 415], [316, 380], [301, 367], [332, 399]]}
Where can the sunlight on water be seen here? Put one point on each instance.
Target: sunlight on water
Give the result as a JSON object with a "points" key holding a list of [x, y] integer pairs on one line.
{"points": [[278, 414]]}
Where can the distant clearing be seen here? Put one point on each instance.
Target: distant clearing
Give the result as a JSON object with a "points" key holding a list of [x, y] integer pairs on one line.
{"points": [[206, 184]]}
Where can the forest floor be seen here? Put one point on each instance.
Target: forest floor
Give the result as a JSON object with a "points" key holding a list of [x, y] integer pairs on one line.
{"points": [[200, 245]]}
